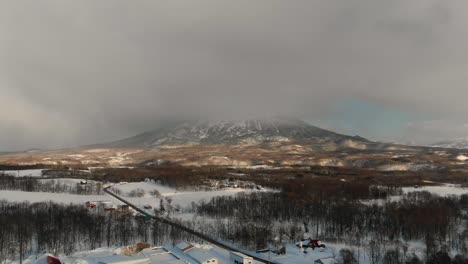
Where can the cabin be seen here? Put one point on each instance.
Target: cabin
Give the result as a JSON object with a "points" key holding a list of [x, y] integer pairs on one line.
{"points": [[239, 258], [326, 261]]}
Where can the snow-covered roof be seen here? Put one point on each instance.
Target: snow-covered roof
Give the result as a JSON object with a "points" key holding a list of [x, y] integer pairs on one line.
{"points": [[200, 255], [240, 255], [166, 258], [122, 259], [147, 252], [326, 261], [184, 246]]}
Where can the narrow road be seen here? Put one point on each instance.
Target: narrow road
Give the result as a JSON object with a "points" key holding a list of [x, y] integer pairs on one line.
{"points": [[188, 230]]}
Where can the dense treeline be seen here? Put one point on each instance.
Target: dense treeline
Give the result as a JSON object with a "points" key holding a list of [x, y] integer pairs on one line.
{"points": [[284, 178], [4, 167], [48, 227], [173, 176], [440, 222], [29, 184]]}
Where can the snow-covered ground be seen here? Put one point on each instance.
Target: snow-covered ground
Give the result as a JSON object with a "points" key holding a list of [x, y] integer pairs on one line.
{"points": [[101, 255], [293, 255], [65, 198], [24, 173], [184, 199], [68, 181], [296, 255], [125, 188], [443, 190], [181, 198]]}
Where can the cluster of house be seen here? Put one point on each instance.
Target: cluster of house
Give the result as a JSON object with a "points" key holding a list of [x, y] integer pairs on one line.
{"points": [[229, 183], [183, 253]]}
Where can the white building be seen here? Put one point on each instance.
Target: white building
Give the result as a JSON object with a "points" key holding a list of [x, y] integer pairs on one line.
{"points": [[239, 258]]}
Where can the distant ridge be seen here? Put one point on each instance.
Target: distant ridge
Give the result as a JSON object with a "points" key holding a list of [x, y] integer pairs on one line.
{"points": [[461, 143]]}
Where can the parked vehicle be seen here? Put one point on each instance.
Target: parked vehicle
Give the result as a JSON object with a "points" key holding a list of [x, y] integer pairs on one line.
{"points": [[310, 243]]}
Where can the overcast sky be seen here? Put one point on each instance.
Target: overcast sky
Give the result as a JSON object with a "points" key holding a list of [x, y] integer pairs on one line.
{"points": [[80, 72]]}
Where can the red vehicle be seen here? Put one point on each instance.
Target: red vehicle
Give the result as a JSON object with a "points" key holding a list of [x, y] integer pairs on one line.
{"points": [[311, 243], [315, 243]]}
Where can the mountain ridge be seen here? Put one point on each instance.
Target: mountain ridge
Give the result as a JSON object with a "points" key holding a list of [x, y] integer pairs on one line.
{"points": [[231, 132]]}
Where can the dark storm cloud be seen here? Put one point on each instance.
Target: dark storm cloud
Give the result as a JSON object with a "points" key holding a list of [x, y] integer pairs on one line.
{"points": [[75, 72]]}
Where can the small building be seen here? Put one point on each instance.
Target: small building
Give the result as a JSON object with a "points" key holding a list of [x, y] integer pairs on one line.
{"points": [[326, 261], [239, 258]]}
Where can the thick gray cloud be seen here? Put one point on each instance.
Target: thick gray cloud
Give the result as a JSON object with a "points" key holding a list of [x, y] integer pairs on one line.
{"points": [[76, 72]]}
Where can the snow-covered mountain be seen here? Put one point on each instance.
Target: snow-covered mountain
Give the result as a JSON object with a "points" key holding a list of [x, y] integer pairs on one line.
{"points": [[233, 132], [461, 143]]}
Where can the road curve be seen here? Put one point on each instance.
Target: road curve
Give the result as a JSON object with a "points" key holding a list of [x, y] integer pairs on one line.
{"points": [[188, 230]]}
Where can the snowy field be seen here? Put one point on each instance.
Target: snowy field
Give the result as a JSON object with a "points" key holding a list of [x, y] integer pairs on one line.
{"points": [[443, 190], [184, 199], [64, 198], [24, 173], [125, 188], [67, 181], [181, 198], [446, 189], [178, 198]]}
